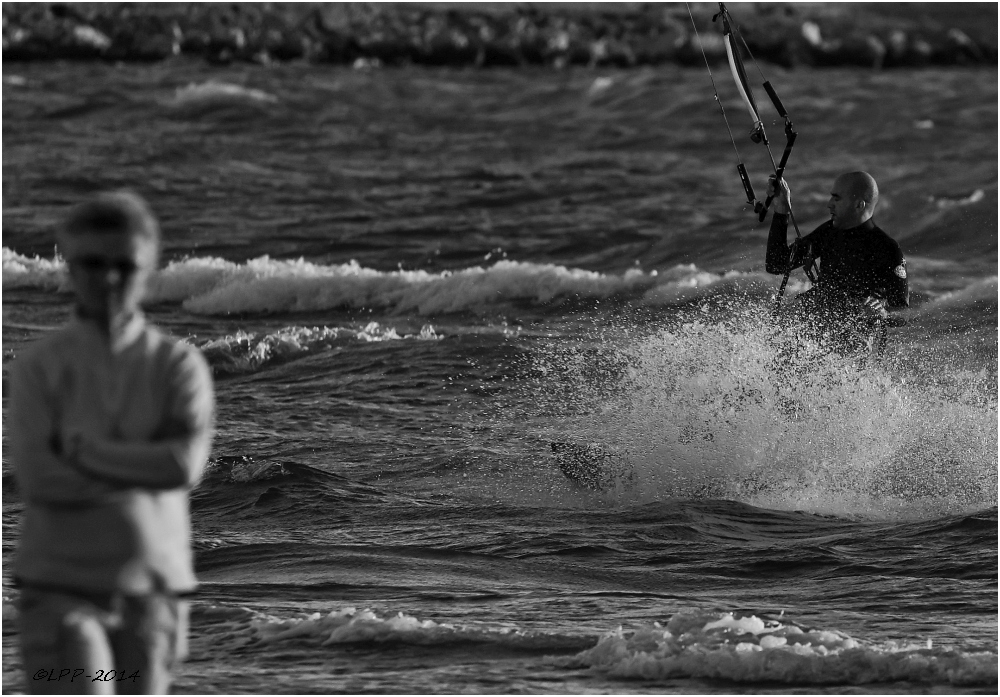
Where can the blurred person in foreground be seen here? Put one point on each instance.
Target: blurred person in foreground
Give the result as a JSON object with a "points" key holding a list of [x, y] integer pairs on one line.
{"points": [[110, 425], [862, 272]]}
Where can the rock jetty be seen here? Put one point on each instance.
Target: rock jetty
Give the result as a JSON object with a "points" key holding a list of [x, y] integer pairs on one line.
{"points": [[874, 35]]}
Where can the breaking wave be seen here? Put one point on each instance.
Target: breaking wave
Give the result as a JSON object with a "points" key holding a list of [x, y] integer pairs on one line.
{"points": [[690, 644], [21, 271], [698, 644], [214, 90], [351, 626], [213, 286], [247, 352]]}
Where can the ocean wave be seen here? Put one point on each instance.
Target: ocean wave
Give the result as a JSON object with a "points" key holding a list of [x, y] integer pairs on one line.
{"points": [[686, 283], [246, 352], [982, 290], [950, 202], [352, 626], [215, 91], [213, 286], [243, 470], [20, 271], [691, 644], [269, 489], [264, 285], [698, 644], [973, 307]]}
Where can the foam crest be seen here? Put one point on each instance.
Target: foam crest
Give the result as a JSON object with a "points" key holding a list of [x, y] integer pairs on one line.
{"points": [[213, 286], [686, 283], [21, 271], [741, 410], [946, 202], [246, 352], [189, 278], [242, 469], [215, 91], [265, 285], [352, 626], [699, 644], [981, 290]]}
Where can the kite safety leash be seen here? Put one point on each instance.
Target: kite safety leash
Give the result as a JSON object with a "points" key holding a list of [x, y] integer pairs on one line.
{"points": [[744, 177]]}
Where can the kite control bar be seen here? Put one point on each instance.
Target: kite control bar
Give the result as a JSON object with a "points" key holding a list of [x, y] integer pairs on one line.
{"points": [[790, 135]]}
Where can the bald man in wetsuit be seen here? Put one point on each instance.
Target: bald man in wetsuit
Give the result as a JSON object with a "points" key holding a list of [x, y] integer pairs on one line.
{"points": [[862, 272]]}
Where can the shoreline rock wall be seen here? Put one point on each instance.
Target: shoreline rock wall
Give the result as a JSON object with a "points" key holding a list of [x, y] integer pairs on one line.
{"points": [[882, 35]]}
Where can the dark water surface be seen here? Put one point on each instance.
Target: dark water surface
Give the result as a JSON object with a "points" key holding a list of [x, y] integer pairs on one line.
{"points": [[410, 282]]}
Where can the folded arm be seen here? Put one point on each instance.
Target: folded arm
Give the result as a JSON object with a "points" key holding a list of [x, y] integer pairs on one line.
{"points": [[41, 468], [176, 456]]}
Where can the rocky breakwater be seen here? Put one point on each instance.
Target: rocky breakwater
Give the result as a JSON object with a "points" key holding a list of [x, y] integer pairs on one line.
{"points": [[878, 35]]}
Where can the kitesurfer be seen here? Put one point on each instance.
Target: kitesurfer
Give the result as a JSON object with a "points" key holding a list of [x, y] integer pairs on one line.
{"points": [[862, 272]]}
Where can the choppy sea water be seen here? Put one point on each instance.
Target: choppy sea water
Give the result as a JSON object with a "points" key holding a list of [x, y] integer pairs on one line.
{"points": [[410, 282]]}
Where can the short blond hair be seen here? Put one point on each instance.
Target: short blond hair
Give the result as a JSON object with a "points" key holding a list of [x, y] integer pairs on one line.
{"points": [[113, 212]]}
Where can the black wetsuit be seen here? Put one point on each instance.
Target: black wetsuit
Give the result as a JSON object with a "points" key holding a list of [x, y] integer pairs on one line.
{"points": [[855, 264]]}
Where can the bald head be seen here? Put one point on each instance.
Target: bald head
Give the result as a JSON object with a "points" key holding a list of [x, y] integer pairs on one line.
{"points": [[853, 199], [862, 187]]}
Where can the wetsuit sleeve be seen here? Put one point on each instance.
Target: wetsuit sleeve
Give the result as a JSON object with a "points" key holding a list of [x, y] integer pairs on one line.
{"points": [[779, 259], [41, 469], [894, 280], [776, 260], [176, 456]]}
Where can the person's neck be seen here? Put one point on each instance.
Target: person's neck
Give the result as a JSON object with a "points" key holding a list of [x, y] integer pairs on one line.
{"points": [[111, 324], [855, 225]]}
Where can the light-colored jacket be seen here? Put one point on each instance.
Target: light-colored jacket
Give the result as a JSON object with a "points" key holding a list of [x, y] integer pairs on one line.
{"points": [[108, 511]]}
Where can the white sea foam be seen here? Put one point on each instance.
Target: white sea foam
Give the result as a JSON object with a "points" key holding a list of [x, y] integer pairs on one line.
{"points": [[350, 626], [686, 283], [246, 352], [709, 410], [189, 278], [975, 197], [20, 271], [214, 90], [213, 286], [691, 644], [984, 289], [266, 285], [699, 644]]}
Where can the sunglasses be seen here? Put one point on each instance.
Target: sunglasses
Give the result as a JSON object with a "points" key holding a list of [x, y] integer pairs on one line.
{"points": [[126, 267]]}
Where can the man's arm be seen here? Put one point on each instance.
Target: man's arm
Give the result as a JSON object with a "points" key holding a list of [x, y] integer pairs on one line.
{"points": [[176, 456], [897, 286], [778, 253], [893, 292], [780, 257], [41, 468]]}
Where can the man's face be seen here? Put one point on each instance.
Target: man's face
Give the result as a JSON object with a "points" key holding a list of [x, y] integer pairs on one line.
{"points": [[843, 206], [109, 272]]}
